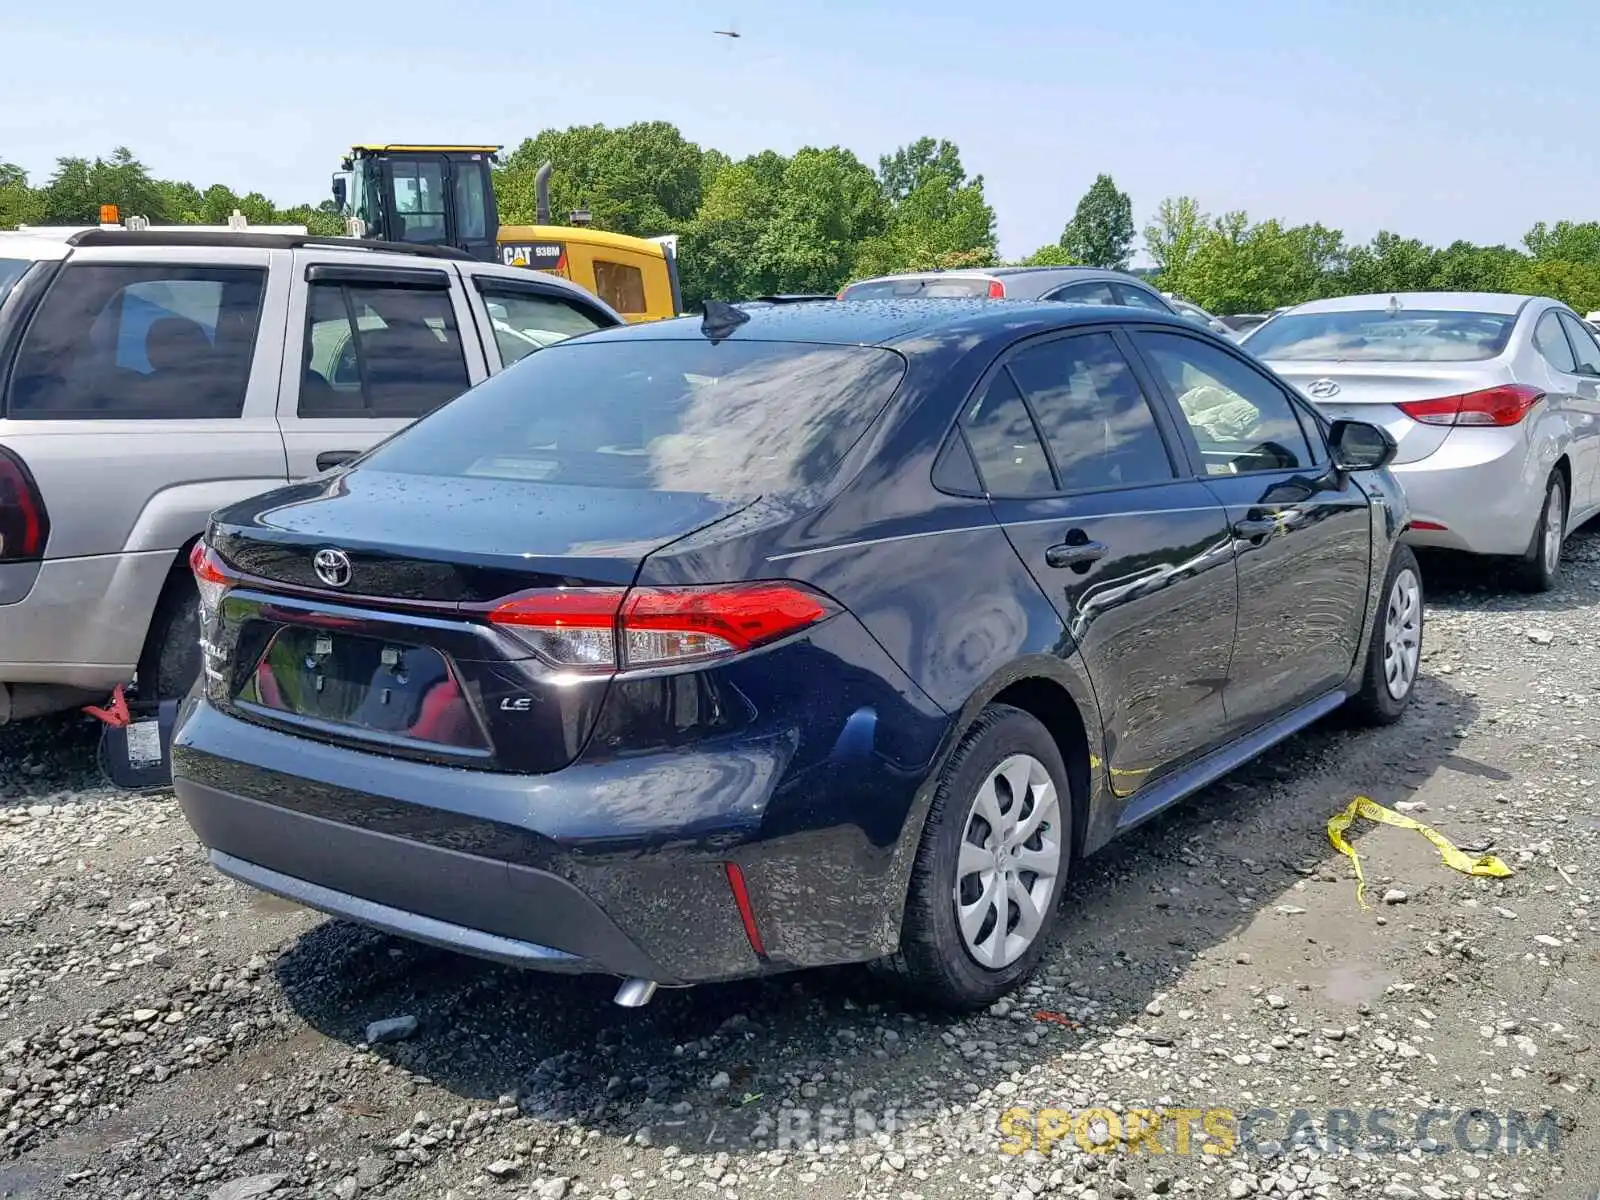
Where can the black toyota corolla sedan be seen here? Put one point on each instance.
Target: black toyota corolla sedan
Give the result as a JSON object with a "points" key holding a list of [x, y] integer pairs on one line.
{"points": [[805, 634]]}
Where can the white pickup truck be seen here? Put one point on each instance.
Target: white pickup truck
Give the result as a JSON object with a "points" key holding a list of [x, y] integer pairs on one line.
{"points": [[149, 377]]}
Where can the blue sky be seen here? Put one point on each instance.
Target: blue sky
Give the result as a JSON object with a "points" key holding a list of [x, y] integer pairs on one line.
{"points": [[1447, 119]]}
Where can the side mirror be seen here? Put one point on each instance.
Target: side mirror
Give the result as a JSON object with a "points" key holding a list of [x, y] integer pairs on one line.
{"points": [[1360, 446], [340, 194]]}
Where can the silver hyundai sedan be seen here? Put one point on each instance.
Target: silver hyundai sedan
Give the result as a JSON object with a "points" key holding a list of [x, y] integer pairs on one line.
{"points": [[1494, 400]]}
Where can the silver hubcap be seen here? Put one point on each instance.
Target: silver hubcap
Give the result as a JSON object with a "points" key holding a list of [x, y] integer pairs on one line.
{"points": [[1010, 857], [1554, 513], [1402, 635]]}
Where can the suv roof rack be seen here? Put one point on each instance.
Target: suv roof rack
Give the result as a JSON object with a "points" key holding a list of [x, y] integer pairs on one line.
{"points": [[258, 241]]}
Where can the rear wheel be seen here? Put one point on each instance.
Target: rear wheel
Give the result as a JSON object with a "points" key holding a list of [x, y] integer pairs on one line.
{"points": [[995, 855], [1394, 656], [171, 659], [1540, 565]]}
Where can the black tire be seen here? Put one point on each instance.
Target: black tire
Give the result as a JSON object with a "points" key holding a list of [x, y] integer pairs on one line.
{"points": [[1536, 572], [1376, 702], [933, 964], [171, 660]]}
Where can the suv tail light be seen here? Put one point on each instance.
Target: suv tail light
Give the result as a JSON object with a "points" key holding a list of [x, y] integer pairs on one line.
{"points": [[24, 524], [1504, 405], [997, 290], [611, 629]]}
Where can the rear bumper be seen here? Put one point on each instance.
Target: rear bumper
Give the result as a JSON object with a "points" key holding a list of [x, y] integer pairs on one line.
{"points": [[1484, 486], [616, 867]]}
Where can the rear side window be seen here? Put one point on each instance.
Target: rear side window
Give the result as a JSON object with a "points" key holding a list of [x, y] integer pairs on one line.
{"points": [[1092, 412], [1552, 343], [1097, 292], [526, 321], [737, 419], [1011, 458], [379, 351], [1584, 348], [1379, 335], [140, 342], [1139, 298], [11, 270], [620, 286]]}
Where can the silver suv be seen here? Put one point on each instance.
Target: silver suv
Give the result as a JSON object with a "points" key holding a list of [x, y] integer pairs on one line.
{"points": [[147, 378]]}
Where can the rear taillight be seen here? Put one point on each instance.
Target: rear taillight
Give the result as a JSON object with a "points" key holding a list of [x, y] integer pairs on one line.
{"points": [[1504, 405], [210, 580], [997, 290], [610, 629], [24, 524]]}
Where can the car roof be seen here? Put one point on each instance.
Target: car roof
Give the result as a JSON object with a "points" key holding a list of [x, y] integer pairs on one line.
{"points": [[29, 246], [1475, 302], [892, 322], [1001, 273]]}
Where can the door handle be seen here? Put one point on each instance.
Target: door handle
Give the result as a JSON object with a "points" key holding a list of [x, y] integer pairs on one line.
{"points": [[1256, 527], [333, 458], [1075, 554]]}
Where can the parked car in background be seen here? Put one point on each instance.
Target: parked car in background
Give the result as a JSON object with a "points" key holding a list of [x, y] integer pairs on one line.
{"points": [[1198, 315], [153, 376], [800, 635], [1493, 399], [1241, 324], [1072, 285]]}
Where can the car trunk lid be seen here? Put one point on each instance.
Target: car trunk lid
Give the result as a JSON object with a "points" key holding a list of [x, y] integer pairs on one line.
{"points": [[1372, 392]]}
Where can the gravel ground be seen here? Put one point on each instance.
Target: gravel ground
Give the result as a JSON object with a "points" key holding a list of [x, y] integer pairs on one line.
{"points": [[169, 1034]]}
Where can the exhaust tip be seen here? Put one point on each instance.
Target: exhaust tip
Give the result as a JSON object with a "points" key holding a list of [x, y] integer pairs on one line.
{"points": [[635, 993]]}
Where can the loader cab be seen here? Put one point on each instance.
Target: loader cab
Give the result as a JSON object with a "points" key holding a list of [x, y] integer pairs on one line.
{"points": [[422, 195]]}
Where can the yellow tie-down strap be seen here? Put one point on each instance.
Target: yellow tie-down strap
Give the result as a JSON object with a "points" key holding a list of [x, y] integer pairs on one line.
{"points": [[1483, 864]]}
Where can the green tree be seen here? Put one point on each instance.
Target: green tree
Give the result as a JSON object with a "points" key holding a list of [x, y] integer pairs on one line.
{"points": [[1566, 241], [1389, 263], [1173, 237], [909, 167], [938, 217], [1100, 233], [19, 203], [1051, 254], [642, 179]]}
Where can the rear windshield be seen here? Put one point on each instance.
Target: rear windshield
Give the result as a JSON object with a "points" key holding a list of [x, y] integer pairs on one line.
{"points": [[737, 420], [1378, 336], [922, 289], [11, 270]]}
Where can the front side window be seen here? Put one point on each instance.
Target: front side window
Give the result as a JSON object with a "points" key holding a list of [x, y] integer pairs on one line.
{"points": [[419, 201], [526, 321], [140, 342], [376, 351], [1011, 458], [1552, 343], [620, 286], [1092, 412], [1241, 419], [736, 419]]}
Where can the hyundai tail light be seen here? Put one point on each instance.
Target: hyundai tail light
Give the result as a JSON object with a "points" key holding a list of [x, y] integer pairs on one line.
{"points": [[610, 629], [1505, 405]]}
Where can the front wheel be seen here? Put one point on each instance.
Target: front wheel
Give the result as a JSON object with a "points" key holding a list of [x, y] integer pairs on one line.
{"points": [[1394, 656], [1540, 565], [989, 872]]}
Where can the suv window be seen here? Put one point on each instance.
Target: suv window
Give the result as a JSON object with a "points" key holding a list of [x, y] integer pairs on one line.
{"points": [[1011, 458], [1097, 292], [1241, 419], [142, 342], [1135, 297], [1583, 343], [619, 285], [379, 351], [525, 321], [1552, 343], [1092, 412]]}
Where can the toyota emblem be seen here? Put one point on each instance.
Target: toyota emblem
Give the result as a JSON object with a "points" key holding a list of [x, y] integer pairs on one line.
{"points": [[1321, 389], [332, 567]]}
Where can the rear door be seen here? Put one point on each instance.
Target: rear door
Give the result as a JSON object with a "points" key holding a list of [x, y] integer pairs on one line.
{"points": [[142, 394], [1302, 531], [1084, 475], [1586, 414], [370, 347]]}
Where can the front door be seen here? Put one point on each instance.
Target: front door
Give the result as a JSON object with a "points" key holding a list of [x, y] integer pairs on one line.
{"points": [[1301, 529], [1133, 552]]}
